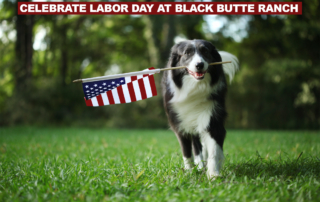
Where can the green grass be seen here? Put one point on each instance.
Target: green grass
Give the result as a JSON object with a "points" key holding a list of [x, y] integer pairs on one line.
{"points": [[52, 164]]}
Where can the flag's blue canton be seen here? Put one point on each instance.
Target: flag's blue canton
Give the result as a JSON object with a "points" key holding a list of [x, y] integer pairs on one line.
{"points": [[94, 88]]}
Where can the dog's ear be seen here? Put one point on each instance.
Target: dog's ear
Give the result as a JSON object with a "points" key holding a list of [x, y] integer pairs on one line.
{"points": [[229, 68], [174, 56], [214, 52]]}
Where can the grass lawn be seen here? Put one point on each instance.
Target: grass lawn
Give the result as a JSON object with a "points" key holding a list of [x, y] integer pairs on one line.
{"points": [[64, 164]]}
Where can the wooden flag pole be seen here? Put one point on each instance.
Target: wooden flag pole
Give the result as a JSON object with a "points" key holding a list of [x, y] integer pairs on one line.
{"points": [[172, 68], [142, 72]]}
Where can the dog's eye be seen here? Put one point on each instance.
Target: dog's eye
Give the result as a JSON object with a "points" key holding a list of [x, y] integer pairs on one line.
{"points": [[204, 51], [188, 52]]}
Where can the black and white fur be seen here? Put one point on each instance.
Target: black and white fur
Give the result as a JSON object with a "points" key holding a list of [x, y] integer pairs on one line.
{"points": [[194, 100]]}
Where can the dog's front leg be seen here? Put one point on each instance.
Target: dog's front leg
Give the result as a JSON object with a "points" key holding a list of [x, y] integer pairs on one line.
{"points": [[197, 152], [204, 153], [186, 147], [215, 155]]}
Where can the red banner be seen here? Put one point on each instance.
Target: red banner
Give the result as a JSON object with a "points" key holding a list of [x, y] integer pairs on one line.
{"points": [[159, 8]]}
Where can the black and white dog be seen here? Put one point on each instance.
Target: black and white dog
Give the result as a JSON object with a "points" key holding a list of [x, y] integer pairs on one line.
{"points": [[194, 100]]}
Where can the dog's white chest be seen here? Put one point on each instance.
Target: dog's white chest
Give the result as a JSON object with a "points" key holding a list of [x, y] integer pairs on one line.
{"points": [[194, 115], [192, 106]]}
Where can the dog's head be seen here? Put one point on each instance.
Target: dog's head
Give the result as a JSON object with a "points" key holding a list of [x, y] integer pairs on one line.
{"points": [[195, 55]]}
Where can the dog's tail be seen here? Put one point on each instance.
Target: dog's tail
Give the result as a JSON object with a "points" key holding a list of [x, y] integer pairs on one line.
{"points": [[229, 68]]}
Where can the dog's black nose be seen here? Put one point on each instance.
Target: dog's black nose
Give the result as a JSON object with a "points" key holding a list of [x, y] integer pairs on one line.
{"points": [[199, 65]]}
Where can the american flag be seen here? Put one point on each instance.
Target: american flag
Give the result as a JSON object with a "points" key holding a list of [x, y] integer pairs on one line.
{"points": [[119, 90]]}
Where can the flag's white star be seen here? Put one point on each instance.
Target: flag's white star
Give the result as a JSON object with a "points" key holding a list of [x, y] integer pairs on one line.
{"points": [[112, 82], [104, 88], [100, 87], [87, 86], [108, 85], [113, 87], [96, 89], [122, 81], [118, 84], [104, 84], [91, 88], [88, 91], [95, 85]]}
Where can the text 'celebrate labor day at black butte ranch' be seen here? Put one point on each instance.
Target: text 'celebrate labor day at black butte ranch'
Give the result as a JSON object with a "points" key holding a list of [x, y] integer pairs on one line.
{"points": [[159, 8]]}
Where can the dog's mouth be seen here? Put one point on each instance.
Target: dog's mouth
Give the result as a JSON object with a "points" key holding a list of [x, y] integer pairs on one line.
{"points": [[197, 75]]}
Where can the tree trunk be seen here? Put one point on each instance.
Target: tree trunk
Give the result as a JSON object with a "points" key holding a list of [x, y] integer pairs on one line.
{"points": [[64, 54], [159, 33], [24, 51]]}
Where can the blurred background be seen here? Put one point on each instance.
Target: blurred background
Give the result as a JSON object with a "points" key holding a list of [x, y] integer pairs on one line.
{"points": [[277, 87]]}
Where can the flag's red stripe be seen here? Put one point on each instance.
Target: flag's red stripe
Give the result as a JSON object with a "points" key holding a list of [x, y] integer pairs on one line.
{"points": [[145, 75], [121, 95], [131, 92], [151, 68], [142, 89], [153, 85], [133, 78], [88, 102], [100, 101], [110, 97]]}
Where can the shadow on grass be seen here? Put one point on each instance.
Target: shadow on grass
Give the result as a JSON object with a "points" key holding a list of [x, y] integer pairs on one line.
{"points": [[287, 168]]}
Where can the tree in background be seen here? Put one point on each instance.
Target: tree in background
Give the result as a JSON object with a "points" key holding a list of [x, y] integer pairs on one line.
{"points": [[278, 85]]}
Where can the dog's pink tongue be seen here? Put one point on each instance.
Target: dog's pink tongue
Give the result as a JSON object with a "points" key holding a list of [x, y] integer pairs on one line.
{"points": [[198, 74]]}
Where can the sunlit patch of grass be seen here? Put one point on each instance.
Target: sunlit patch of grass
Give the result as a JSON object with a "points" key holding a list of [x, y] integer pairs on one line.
{"points": [[146, 165]]}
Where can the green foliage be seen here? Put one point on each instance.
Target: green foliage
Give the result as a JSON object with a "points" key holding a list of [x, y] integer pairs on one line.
{"points": [[278, 84], [145, 165], [92, 44]]}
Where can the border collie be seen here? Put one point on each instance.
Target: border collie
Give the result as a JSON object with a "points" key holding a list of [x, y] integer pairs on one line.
{"points": [[194, 101]]}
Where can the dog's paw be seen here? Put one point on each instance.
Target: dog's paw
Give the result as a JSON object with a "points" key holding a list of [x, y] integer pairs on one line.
{"points": [[198, 162], [213, 175], [200, 165], [187, 163]]}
